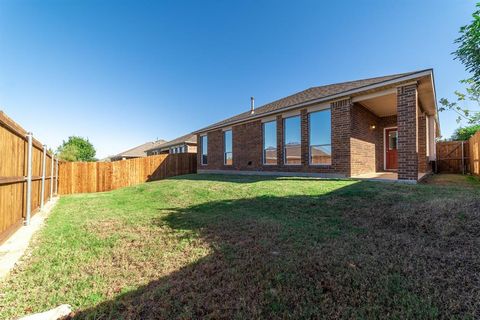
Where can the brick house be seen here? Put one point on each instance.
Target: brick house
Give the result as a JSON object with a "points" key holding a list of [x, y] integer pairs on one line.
{"points": [[183, 144], [382, 127]]}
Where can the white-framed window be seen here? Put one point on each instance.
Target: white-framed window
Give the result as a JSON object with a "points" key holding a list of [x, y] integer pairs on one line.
{"points": [[292, 154], [227, 147], [270, 143], [320, 137], [204, 150]]}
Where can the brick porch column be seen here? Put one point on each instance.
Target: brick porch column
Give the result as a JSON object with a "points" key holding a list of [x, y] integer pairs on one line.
{"points": [[422, 143], [279, 140], [305, 154], [407, 122], [341, 133]]}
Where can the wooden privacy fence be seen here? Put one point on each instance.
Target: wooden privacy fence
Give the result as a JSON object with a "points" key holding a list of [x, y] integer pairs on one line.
{"points": [[81, 177], [453, 157], [21, 189], [475, 154]]}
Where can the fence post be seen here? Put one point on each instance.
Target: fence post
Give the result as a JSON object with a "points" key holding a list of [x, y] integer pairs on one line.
{"points": [[463, 159], [56, 175], [44, 169], [29, 178], [51, 177]]}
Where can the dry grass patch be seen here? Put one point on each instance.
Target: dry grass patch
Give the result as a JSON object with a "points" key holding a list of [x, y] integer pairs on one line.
{"points": [[206, 246]]}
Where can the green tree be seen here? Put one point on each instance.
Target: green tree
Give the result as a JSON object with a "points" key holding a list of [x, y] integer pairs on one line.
{"points": [[468, 53], [76, 149], [464, 133]]}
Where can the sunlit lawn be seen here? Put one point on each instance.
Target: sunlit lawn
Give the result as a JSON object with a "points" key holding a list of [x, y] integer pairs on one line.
{"points": [[251, 247]]}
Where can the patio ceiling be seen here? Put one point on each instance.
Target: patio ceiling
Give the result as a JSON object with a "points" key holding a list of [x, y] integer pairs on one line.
{"points": [[384, 103], [382, 106]]}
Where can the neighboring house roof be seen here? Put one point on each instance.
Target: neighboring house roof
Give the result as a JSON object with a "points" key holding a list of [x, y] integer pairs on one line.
{"points": [[188, 138], [311, 95], [137, 152]]}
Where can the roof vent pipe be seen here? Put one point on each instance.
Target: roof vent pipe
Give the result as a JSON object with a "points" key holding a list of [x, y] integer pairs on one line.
{"points": [[252, 105]]}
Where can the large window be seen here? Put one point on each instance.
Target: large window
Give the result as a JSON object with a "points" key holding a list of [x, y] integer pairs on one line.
{"points": [[228, 154], [270, 143], [204, 148], [320, 138], [292, 149]]}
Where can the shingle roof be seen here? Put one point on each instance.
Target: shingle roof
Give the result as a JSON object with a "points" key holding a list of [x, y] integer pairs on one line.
{"points": [[188, 138], [310, 94], [138, 151]]}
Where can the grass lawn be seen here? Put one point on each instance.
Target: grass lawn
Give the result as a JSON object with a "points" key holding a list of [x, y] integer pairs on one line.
{"points": [[242, 247]]}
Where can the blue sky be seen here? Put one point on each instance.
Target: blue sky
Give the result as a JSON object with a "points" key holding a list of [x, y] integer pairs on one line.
{"points": [[125, 72]]}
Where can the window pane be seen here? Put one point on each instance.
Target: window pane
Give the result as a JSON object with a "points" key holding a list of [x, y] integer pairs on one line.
{"points": [[392, 140], [228, 158], [204, 147], [228, 141], [292, 154], [292, 140], [270, 142], [228, 155], [321, 154], [292, 130], [320, 128]]}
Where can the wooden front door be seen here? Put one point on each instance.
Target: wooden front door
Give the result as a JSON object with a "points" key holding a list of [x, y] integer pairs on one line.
{"points": [[391, 155]]}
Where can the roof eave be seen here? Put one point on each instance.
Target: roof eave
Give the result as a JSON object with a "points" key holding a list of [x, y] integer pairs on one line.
{"points": [[343, 94]]}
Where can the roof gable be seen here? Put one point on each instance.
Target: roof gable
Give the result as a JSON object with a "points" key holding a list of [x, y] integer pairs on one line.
{"points": [[188, 138], [138, 151]]}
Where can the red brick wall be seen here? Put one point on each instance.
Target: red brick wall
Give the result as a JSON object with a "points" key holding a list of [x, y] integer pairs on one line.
{"points": [[279, 141], [305, 139], [356, 147], [247, 146], [363, 141], [341, 133], [407, 112], [423, 162], [367, 144], [248, 149]]}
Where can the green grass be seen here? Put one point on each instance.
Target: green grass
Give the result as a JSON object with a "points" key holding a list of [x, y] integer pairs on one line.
{"points": [[256, 247]]}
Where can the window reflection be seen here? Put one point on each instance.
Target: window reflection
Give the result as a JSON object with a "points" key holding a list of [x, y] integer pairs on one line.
{"points": [[320, 137], [270, 143], [228, 154], [292, 147], [204, 147]]}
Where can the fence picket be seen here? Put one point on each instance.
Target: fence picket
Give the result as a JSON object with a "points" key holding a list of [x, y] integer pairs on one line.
{"points": [[13, 173], [474, 142], [88, 177]]}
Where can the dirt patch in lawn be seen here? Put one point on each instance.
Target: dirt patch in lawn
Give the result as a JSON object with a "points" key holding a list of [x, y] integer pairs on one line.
{"points": [[208, 247], [352, 254], [453, 180]]}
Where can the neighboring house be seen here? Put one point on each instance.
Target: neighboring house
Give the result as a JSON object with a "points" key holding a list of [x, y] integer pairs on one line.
{"points": [[351, 129], [137, 152], [183, 144]]}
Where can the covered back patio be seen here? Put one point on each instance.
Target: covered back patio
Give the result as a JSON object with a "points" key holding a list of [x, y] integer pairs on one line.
{"points": [[393, 132]]}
